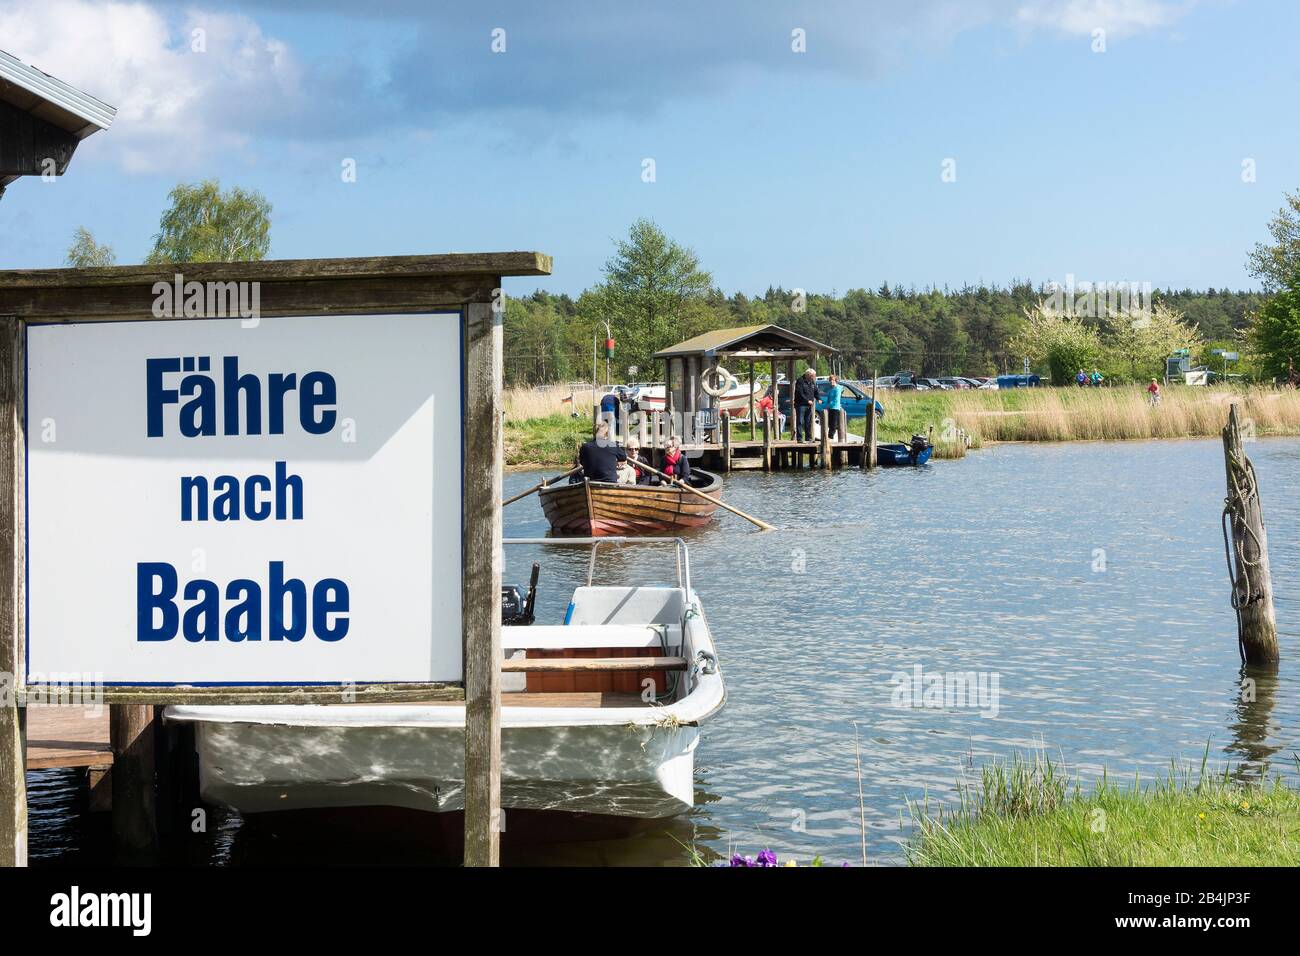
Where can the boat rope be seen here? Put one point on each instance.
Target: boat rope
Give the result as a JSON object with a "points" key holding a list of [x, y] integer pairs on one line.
{"points": [[1243, 491]]}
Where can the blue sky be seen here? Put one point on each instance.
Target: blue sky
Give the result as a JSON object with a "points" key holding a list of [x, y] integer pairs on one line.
{"points": [[818, 170]]}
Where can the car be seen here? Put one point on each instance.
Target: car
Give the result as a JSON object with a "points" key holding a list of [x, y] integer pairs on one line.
{"points": [[884, 381], [953, 382], [933, 383]]}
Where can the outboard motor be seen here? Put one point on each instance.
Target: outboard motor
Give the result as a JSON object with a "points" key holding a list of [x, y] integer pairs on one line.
{"points": [[918, 444], [516, 608], [512, 605]]}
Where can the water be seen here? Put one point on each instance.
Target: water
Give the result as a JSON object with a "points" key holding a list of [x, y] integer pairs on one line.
{"points": [[1088, 579]]}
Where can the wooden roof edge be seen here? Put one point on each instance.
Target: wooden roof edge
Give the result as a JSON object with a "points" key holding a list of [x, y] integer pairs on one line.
{"points": [[716, 341], [272, 270]]}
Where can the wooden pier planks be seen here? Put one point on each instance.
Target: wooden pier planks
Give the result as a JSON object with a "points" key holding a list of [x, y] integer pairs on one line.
{"points": [[67, 736]]}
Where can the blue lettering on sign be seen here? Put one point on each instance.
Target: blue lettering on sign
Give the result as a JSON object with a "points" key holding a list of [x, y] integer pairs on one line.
{"points": [[242, 399], [225, 500], [159, 616]]}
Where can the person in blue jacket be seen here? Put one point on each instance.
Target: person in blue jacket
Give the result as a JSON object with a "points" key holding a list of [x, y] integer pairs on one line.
{"points": [[833, 403]]}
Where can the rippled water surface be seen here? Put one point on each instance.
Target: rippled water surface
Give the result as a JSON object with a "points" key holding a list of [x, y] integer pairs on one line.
{"points": [[1087, 580]]}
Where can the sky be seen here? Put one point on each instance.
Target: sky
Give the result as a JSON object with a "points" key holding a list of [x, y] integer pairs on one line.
{"points": [[818, 145]]}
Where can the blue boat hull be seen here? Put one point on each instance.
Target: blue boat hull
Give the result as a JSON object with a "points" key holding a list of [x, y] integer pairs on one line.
{"points": [[900, 455]]}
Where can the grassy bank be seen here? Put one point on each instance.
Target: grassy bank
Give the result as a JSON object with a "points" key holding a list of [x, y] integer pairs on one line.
{"points": [[540, 430], [1028, 815]]}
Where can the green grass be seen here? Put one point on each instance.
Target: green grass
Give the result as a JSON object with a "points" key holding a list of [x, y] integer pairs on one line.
{"points": [[1027, 814], [550, 441]]}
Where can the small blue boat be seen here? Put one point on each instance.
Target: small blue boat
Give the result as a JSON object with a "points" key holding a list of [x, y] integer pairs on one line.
{"points": [[904, 454]]}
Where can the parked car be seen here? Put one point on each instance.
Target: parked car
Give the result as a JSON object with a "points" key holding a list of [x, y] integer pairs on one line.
{"points": [[933, 383], [953, 381], [884, 381], [1018, 381]]}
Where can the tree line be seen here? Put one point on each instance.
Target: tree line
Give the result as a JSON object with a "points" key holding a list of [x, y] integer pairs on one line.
{"points": [[655, 293]]}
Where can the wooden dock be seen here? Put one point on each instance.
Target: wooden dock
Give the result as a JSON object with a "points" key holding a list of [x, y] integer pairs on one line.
{"points": [[67, 736]]}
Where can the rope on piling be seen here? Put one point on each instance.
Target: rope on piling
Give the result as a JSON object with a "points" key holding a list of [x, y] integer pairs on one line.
{"points": [[1244, 490]]}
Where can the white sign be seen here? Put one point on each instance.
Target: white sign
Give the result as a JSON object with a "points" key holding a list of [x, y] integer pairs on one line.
{"points": [[213, 502]]}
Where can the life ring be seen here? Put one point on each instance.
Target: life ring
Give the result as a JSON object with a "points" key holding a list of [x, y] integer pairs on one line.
{"points": [[727, 381]]}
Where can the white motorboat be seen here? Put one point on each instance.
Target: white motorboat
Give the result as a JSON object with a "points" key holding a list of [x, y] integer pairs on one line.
{"points": [[734, 401], [616, 737]]}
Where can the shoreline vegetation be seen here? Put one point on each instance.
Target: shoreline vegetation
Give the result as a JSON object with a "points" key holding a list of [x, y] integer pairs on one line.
{"points": [[541, 432], [1028, 814]]}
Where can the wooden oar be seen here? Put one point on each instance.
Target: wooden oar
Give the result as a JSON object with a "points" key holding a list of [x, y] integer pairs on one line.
{"points": [[695, 491], [540, 486]]}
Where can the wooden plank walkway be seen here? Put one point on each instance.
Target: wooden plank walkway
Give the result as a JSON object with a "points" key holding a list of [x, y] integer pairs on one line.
{"points": [[67, 736]]}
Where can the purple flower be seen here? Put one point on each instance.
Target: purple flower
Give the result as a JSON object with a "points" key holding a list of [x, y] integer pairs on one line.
{"points": [[766, 858], [738, 860]]}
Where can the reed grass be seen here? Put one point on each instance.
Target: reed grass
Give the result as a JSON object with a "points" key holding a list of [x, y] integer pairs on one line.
{"points": [[540, 428], [1119, 413], [1029, 814]]}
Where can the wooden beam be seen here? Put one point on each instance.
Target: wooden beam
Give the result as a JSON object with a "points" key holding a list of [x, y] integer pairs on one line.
{"points": [[270, 694], [481, 584], [13, 770], [135, 821], [451, 266], [115, 301], [552, 664], [29, 146]]}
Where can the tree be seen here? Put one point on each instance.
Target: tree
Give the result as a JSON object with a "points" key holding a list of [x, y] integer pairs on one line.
{"points": [[1274, 265], [1145, 339], [1275, 332], [654, 292], [86, 253], [205, 224], [1064, 342]]}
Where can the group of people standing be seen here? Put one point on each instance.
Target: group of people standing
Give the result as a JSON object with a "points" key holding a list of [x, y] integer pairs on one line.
{"points": [[1084, 380], [808, 400]]}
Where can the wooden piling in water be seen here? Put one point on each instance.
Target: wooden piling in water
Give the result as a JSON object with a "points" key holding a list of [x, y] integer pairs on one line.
{"points": [[135, 822], [869, 436], [767, 442], [1246, 542], [726, 441], [824, 450]]}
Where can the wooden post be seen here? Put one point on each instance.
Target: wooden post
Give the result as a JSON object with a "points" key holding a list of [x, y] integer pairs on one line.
{"points": [[753, 425], [841, 434], [1252, 584], [824, 417], [13, 575], [725, 425], [768, 422], [669, 405], [135, 819], [793, 413], [654, 438], [481, 585], [869, 433]]}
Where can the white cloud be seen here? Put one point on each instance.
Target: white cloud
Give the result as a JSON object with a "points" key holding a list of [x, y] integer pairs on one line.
{"points": [[1116, 17], [173, 104], [178, 108]]}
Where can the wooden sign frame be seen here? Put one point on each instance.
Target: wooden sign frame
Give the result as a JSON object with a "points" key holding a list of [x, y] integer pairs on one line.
{"points": [[466, 283]]}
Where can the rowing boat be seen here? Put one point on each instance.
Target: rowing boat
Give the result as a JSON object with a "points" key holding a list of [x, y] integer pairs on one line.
{"points": [[598, 508]]}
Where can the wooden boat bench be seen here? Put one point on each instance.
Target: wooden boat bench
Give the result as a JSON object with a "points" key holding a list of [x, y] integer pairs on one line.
{"points": [[592, 657]]}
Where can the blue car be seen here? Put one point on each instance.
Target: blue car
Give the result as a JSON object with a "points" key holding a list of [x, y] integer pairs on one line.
{"points": [[854, 399]]}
